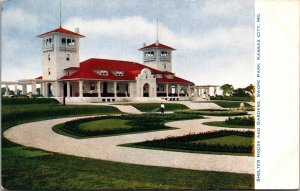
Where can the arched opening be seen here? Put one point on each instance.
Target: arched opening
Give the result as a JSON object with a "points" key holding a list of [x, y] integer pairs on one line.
{"points": [[146, 89], [49, 90]]}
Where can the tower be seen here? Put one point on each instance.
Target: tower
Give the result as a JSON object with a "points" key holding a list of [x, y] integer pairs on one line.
{"points": [[60, 50], [158, 56]]}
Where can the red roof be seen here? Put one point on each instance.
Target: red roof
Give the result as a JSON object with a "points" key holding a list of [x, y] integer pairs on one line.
{"points": [[39, 78], [62, 31], [131, 70], [157, 45]]}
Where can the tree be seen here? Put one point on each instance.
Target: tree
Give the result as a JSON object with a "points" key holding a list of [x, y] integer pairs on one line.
{"points": [[250, 90], [227, 89]]}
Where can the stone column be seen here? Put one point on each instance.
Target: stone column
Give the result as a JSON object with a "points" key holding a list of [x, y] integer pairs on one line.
{"points": [[178, 90], [207, 93], [99, 88], [215, 91], [68, 89], [115, 89], [6, 90], [16, 89], [167, 89], [80, 89], [33, 88], [189, 90], [24, 89]]}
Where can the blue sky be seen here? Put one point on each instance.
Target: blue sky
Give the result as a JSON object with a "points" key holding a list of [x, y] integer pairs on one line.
{"points": [[214, 39]]}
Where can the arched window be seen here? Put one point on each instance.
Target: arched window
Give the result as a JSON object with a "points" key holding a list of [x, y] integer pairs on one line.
{"points": [[49, 72], [68, 57], [49, 57]]}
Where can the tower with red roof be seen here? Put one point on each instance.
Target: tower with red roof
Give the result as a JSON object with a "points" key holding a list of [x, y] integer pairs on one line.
{"points": [[158, 56], [60, 50]]}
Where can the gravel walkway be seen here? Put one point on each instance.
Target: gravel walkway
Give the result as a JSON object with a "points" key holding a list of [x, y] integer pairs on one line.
{"points": [[40, 135]]}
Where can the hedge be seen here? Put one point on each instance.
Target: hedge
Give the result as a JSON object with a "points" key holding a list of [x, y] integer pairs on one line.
{"points": [[22, 100]]}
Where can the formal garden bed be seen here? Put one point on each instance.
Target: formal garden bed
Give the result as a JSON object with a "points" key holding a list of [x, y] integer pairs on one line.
{"points": [[217, 142], [153, 107], [214, 112], [234, 122], [115, 125]]}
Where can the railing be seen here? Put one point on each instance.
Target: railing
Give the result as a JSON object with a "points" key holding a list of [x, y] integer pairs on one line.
{"points": [[68, 48], [48, 47], [150, 58]]}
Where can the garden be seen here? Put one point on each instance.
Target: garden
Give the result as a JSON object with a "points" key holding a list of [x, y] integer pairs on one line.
{"points": [[215, 142], [234, 122], [115, 125], [28, 168], [154, 107]]}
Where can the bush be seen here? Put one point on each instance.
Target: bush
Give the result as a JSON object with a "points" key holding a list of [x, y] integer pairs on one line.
{"points": [[23, 100], [248, 121]]}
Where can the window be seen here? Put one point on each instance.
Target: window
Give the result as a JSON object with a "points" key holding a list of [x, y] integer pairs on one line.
{"points": [[68, 41], [119, 73], [68, 57], [149, 54], [165, 66], [48, 41], [164, 53], [92, 86], [63, 41], [118, 87], [104, 72], [49, 57], [49, 72]]}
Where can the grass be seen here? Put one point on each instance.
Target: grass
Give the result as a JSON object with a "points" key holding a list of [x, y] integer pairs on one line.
{"points": [[232, 98], [105, 124], [57, 171], [231, 104], [224, 124], [214, 112], [26, 168], [116, 125], [151, 107], [230, 140], [217, 142]]}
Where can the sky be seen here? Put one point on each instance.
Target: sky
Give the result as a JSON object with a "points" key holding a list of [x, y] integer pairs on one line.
{"points": [[214, 39]]}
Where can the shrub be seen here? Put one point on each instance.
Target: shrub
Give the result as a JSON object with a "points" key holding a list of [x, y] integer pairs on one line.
{"points": [[248, 121]]}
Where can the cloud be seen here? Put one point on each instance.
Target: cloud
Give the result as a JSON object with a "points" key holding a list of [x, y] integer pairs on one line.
{"points": [[139, 28], [19, 18]]}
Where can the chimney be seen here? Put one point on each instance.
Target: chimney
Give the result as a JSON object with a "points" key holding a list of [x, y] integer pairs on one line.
{"points": [[77, 30]]}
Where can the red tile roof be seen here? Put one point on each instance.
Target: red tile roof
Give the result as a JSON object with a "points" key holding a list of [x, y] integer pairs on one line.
{"points": [[39, 78], [157, 45], [131, 70], [72, 68], [62, 31]]}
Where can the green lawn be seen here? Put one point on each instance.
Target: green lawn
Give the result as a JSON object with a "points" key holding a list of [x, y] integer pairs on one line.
{"points": [[229, 140], [231, 104], [232, 98], [216, 142], [116, 125], [151, 107], [214, 112], [26, 168], [105, 124], [224, 124]]}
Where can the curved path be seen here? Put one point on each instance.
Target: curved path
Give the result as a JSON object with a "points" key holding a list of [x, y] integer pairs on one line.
{"points": [[40, 135]]}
